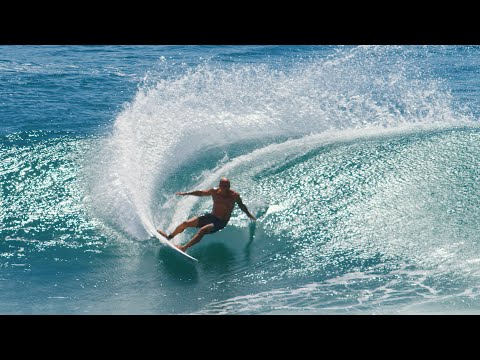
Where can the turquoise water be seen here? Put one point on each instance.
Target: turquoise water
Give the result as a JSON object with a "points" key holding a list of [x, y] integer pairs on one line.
{"points": [[362, 162]]}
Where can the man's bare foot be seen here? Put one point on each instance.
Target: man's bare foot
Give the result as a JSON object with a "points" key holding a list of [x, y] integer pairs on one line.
{"points": [[168, 237], [180, 247]]}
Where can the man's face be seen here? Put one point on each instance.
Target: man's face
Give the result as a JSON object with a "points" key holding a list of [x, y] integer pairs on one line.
{"points": [[224, 185]]}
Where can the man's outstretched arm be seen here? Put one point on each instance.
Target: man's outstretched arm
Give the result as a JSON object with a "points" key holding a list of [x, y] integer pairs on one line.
{"points": [[242, 207], [196, 192]]}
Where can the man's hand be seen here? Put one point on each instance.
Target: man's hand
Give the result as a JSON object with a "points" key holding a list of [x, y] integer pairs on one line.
{"points": [[179, 193], [253, 218]]}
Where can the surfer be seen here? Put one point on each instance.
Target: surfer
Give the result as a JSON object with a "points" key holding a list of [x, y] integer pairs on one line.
{"points": [[224, 201]]}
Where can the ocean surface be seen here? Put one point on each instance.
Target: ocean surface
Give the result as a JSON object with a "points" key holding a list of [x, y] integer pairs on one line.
{"points": [[362, 163]]}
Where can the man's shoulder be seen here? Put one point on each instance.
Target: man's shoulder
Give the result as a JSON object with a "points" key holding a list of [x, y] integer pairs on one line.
{"points": [[214, 191]]}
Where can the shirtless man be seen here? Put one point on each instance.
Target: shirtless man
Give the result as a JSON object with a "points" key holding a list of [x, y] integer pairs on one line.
{"points": [[224, 201]]}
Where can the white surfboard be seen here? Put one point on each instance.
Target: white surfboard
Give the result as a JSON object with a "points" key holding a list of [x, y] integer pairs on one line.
{"points": [[169, 243]]}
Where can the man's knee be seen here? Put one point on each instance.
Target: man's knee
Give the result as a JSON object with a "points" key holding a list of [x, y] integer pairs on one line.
{"points": [[206, 229]]}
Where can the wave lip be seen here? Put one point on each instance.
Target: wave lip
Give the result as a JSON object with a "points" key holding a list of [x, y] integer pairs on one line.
{"points": [[177, 116]]}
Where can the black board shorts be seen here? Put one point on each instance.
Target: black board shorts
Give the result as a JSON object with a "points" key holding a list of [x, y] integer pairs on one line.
{"points": [[209, 218]]}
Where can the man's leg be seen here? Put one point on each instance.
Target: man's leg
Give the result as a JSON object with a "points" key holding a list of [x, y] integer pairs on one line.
{"points": [[193, 222], [198, 236]]}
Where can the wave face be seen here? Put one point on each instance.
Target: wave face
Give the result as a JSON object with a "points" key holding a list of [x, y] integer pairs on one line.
{"points": [[362, 163]]}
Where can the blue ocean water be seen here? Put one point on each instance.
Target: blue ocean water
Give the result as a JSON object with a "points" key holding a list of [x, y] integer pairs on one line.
{"points": [[363, 162]]}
